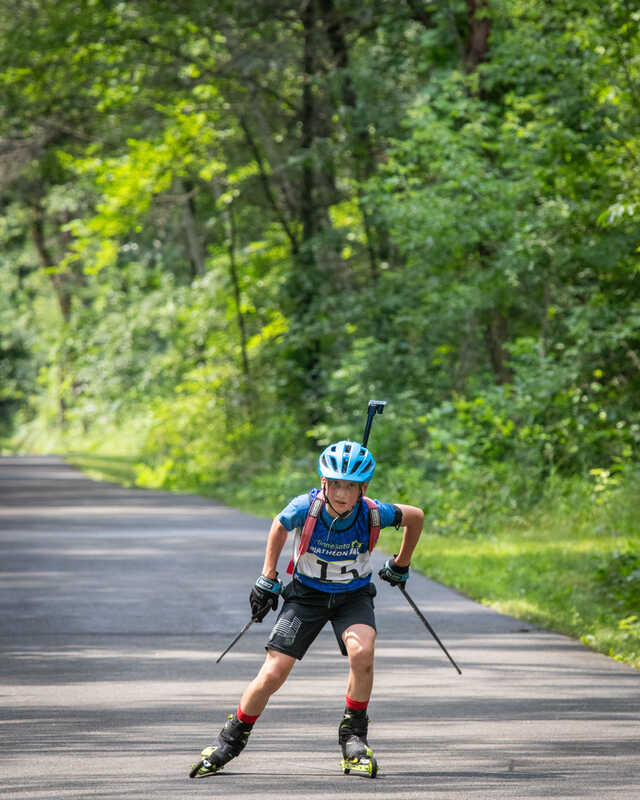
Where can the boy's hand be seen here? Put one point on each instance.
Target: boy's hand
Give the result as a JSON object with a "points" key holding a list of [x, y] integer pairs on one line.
{"points": [[264, 597], [394, 574]]}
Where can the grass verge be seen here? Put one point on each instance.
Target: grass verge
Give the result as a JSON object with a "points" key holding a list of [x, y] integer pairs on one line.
{"points": [[571, 565], [117, 469]]}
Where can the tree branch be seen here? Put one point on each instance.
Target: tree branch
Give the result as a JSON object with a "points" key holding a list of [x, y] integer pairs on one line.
{"points": [[266, 184]]}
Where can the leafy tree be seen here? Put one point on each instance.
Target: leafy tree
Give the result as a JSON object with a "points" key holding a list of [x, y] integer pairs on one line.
{"points": [[235, 221]]}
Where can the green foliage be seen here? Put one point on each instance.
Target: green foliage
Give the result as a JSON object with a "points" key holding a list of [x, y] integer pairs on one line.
{"points": [[619, 577], [569, 563], [225, 227]]}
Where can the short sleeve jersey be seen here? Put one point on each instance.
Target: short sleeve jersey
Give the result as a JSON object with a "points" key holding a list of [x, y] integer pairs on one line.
{"points": [[338, 557]]}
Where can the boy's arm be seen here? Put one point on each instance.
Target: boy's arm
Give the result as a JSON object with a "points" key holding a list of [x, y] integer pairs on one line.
{"points": [[412, 520], [275, 542]]}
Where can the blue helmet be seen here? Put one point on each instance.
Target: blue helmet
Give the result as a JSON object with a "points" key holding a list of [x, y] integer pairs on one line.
{"points": [[346, 461]]}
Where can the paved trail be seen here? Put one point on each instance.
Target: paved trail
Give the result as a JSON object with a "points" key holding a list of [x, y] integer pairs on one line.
{"points": [[115, 602]]}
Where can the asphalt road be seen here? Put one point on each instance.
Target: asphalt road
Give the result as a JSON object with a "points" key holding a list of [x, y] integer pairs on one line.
{"points": [[114, 604]]}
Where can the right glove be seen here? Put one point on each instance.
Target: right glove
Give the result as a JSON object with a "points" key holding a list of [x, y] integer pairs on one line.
{"points": [[264, 597]]}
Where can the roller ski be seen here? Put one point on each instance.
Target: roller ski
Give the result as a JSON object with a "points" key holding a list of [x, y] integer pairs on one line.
{"points": [[357, 756], [229, 744]]}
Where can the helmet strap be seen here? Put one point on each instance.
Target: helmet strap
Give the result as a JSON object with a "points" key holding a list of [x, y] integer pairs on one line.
{"points": [[344, 514]]}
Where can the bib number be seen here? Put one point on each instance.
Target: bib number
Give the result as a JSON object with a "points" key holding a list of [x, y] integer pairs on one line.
{"points": [[339, 572], [324, 570]]}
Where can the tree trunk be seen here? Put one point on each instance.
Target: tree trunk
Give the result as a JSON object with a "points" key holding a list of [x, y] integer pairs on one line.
{"points": [[476, 49], [60, 286], [194, 247], [477, 44], [233, 271], [60, 283], [376, 234], [495, 337], [305, 282], [307, 208]]}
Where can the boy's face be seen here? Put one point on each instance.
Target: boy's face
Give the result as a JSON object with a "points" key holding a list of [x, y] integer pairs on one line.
{"points": [[342, 495]]}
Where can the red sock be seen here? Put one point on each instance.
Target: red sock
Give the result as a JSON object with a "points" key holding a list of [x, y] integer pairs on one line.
{"points": [[246, 718], [356, 705]]}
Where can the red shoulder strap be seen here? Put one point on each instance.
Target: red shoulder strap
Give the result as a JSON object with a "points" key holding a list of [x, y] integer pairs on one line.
{"points": [[310, 523], [374, 522], [307, 529]]}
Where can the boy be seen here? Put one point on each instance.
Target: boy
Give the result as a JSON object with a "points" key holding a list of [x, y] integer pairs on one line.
{"points": [[336, 528]]}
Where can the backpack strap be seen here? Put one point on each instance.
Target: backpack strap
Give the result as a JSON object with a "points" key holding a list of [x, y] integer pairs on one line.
{"points": [[310, 523], [312, 517], [307, 529], [374, 522]]}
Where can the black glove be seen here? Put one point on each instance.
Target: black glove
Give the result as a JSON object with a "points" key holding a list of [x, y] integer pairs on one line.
{"points": [[264, 597], [394, 574]]}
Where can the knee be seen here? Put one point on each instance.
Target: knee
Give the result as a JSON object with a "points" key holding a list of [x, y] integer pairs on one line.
{"points": [[273, 674], [360, 655]]}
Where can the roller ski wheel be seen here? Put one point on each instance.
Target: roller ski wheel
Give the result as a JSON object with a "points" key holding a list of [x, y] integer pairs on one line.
{"points": [[365, 765], [357, 756], [207, 765], [229, 744]]}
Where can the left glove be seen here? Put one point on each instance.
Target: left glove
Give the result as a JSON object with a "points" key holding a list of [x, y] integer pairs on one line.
{"points": [[264, 597], [393, 574]]}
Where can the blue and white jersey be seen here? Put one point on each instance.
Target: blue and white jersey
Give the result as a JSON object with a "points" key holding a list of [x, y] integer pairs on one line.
{"points": [[338, 557]]}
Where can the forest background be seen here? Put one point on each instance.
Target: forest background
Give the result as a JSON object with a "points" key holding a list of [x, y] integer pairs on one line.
{"points": [[225, 226]]}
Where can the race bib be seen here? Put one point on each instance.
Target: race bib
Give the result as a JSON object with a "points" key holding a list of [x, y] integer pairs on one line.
{"points": [[311, 565]]}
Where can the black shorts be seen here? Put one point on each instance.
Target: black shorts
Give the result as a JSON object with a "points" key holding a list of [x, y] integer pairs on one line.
{"points": [[306, 611]]}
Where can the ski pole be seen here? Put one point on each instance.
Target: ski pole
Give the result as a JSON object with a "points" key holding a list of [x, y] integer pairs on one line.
{"points": [[242, 632], [375, 407], [429, 628]]}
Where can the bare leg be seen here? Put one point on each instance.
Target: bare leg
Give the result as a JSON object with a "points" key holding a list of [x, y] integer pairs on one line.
{"points": [[273, 673], [360, 643], [353, 729]]}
